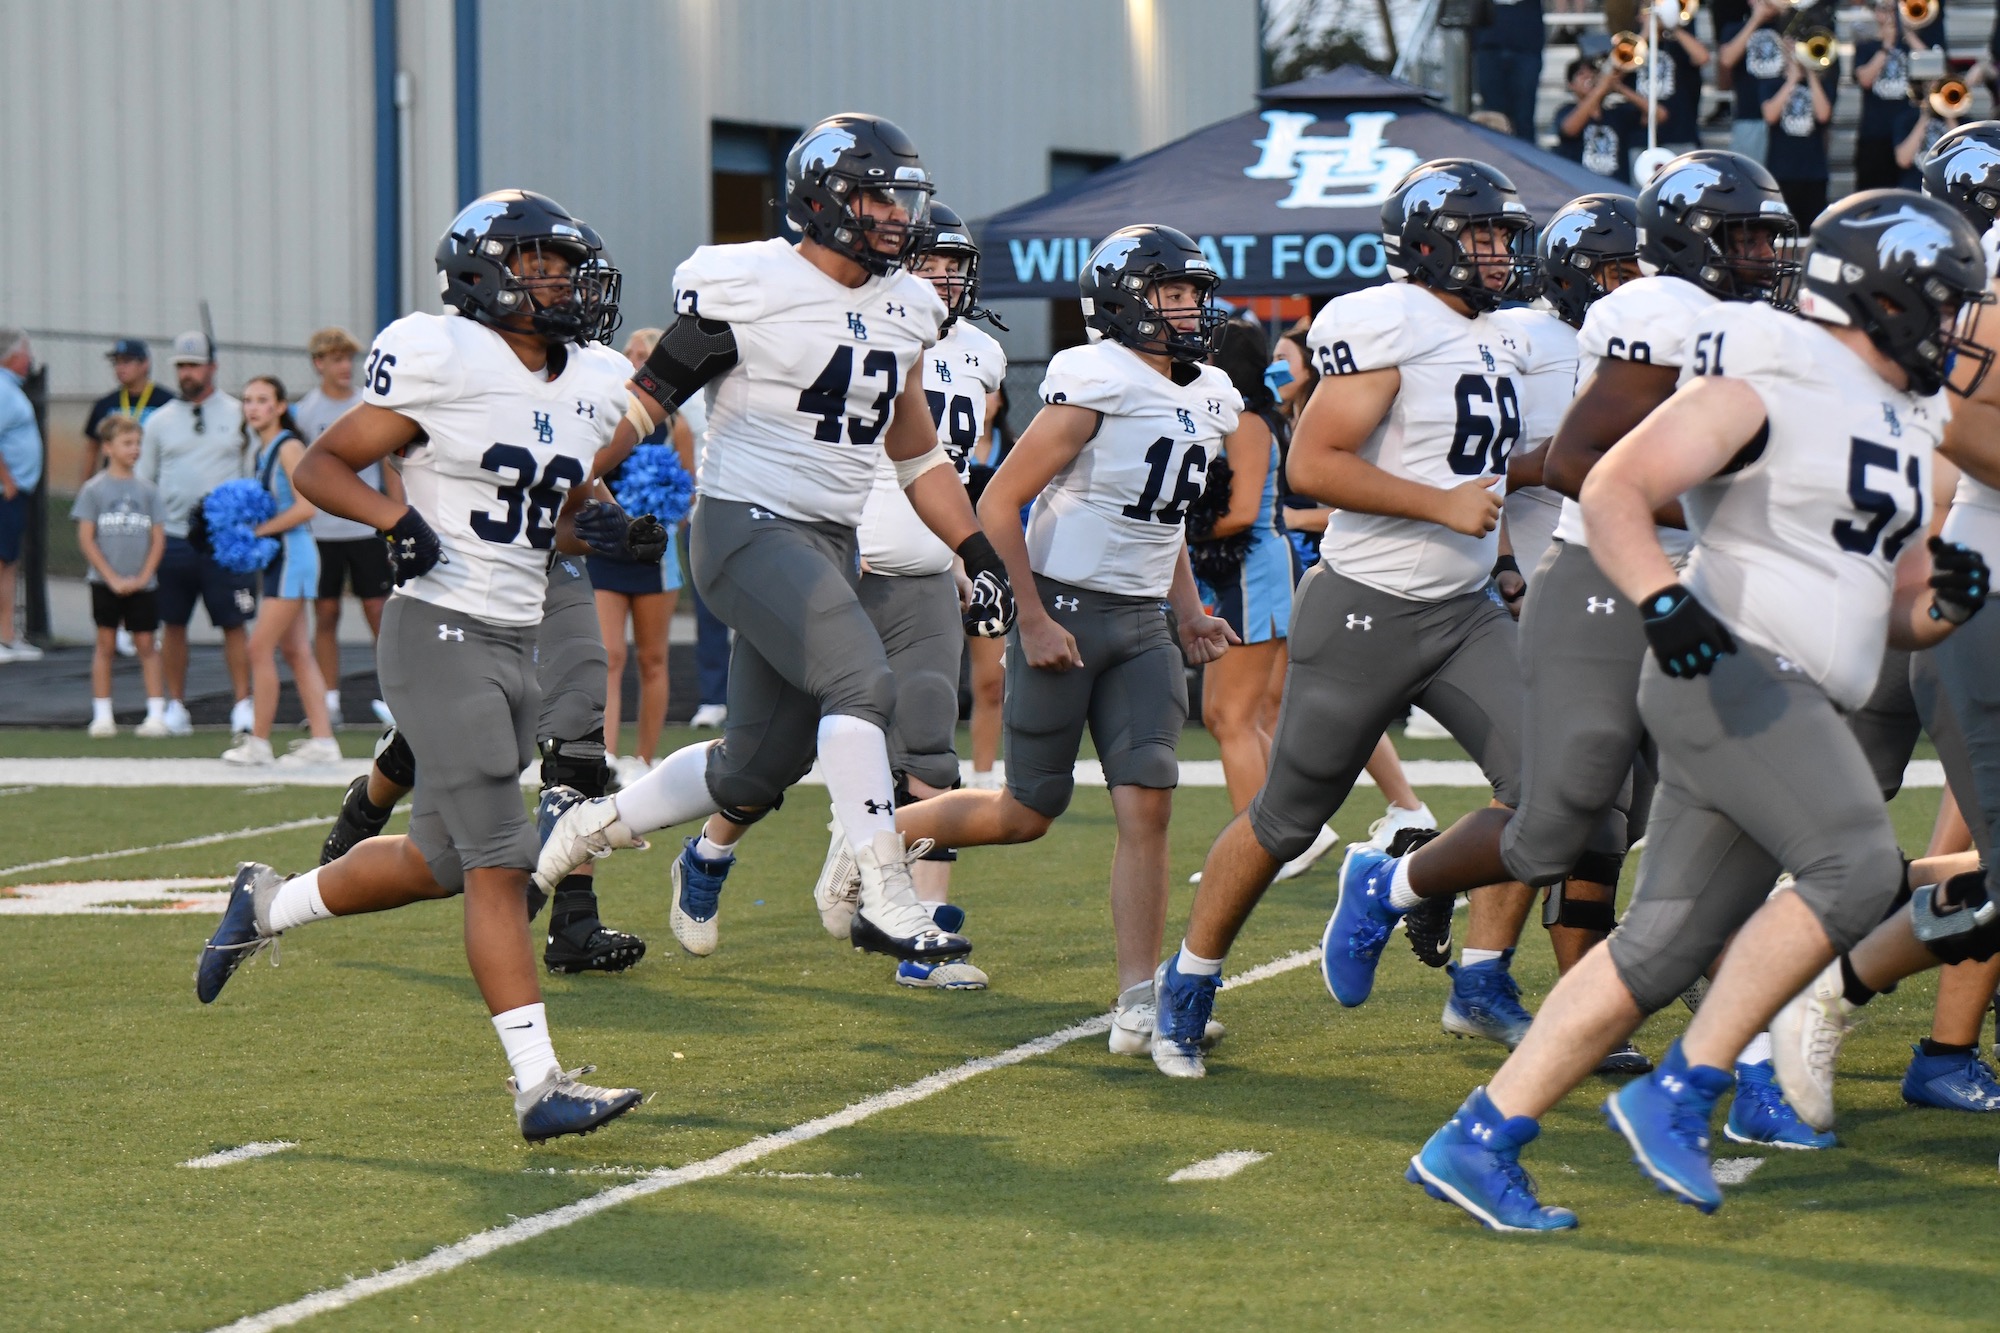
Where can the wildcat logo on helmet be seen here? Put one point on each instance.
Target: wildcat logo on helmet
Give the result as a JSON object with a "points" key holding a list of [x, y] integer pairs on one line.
{"points": [[1331, 171], [1429, 194], [1910, 236], [1684, 185], [824, 149]]}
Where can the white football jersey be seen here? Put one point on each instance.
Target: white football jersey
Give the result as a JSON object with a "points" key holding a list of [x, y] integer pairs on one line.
{"points": [[1796, 550], [506, 445], [796, 424], [1113, 520], [1547, 386], [1650, 320], [1456, 418], [959, 372]]}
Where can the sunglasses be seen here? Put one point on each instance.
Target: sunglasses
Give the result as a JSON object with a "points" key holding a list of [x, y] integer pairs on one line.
{"points": [[200, 426]]}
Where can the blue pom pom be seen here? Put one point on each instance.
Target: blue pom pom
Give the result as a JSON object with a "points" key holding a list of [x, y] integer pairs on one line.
{"points": [[233, 509], [654, 482]]}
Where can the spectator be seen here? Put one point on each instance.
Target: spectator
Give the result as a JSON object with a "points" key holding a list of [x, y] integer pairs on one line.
{"points": [[20, 474], [1680, 60], [119, 529], [1756, 57], [136, 397], [351, 555], [1798, 113], [1917, 127], [270, 431], [1727, 18], [1507, 62], [1602, 123], [1882, 71], [192, 446]]}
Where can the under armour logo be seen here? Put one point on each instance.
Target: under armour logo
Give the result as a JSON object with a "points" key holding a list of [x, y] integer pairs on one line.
{"points": [[755, 512], [1186, 418], [1067, 603], [1787, 664], [1889, 415], [1593, 605], [971, 360], [895, 309], [447, 632], [1486, 355], [1215, 407], [943, 369], [1360, 622], [875, 807], [545, 430], [588, 410], [856, 327]]}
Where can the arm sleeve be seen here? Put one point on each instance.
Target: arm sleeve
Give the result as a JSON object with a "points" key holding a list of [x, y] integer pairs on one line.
{"points": [[411, 365], [1364, 330], [693, 351]]}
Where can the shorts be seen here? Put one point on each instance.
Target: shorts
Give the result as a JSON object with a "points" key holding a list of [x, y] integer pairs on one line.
{"points": [[295, 573], [466, 699], [13, 525], [1257, 603], [633, 579], [187, 576], [361, 564], [138, 612]]}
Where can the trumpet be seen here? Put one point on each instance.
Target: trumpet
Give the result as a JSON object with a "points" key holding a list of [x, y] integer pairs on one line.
{"points": [[1628, 52], [1815, 48], [1949, 98], [1919, 13], [1688, 10]]}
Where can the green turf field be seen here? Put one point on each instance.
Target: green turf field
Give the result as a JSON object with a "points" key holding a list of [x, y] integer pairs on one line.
{"points": [[1035, 1194]]}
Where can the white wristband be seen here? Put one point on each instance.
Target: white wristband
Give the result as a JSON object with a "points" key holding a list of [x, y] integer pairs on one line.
{"points": [[908, 471], [635, 412]]}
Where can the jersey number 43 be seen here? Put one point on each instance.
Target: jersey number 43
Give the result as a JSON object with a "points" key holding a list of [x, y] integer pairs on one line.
{"points": [[826, 397]]}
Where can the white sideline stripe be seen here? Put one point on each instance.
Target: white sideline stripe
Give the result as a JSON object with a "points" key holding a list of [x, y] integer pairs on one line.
{"points": [[205, 840], [482, 1243], [243, 1154], [1735, 1170], [114, 897], [15, 791], [1219, 1167]]}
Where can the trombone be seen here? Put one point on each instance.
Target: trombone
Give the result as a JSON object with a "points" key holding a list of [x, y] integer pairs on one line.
{"points": [[1949, 98], [1815, 47], [1919, 13]]}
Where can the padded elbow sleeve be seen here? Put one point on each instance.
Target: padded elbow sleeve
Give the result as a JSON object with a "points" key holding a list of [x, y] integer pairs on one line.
{"points": [[690, 353]]}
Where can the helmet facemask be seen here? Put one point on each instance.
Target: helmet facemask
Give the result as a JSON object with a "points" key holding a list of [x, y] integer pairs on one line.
{"points": [[869, 210], [1471, 274], [1937, 343], [579, 303], [1749, 258], [1151, 324]]}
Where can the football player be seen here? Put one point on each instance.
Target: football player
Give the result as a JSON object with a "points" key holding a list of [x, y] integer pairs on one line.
{"points": [[1119, 450], [807, 355], [1407, 435], [499, 407], [1801, 449]]}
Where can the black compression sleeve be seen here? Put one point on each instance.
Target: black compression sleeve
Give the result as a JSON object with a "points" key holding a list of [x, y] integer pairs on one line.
{"points": [[690, 353]]}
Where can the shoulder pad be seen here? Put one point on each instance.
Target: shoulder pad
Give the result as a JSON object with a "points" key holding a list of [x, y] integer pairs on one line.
{"points": [[992, 357], [731, 283], [1744, 340], [415, 361], [1215, 387], [1097, 376], [1377, 328], [1647, 320]]}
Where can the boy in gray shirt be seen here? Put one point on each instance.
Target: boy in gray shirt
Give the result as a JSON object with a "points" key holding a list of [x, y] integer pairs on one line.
{"points": [[121, 527]]}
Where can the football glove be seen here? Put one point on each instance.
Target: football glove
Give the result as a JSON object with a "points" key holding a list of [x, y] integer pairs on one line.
{"points": [[1959, 580], [610, 532], [989, 608], [1685, 637], [646, 540], [414, 550]]}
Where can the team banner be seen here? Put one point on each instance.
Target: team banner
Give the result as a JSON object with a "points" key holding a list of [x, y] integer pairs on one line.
{"points": [[1283, 200]]}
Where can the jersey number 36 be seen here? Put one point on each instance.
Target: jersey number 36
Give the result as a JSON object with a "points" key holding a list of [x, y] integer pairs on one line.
{"points": [[529, 500]]}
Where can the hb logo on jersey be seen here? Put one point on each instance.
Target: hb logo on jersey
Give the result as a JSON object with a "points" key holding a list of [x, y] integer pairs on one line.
{"points": [[1889, 415], [856, 327], [1186, 418], [545, 430], [943, 368], [1360, 622], [1486, 355]]}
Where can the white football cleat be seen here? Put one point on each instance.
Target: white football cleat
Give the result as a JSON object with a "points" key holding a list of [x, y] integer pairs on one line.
{"points": [[1132, 1019], [1384, 830], [312, 751], [242, 716], [889, 918], [102, 727], [838, 892], [954, 974], [248, 752], [1323, 842], [585, 831], [178, 721], [1805, 1045], [1423, 727]]}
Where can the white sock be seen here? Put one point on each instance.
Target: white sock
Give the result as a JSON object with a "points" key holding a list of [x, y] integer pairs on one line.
{"points": [[298, 902], [1401, 896], [1758, 1052], [854, 757], [100, 710], [524, 1035], [1192, 964], [156, 708], [1473, 957], [713, 851], [333, 702], [672, 792]]}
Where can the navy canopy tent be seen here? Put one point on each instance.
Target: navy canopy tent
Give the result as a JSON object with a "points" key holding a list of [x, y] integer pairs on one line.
{"points": [[1285, 200]]}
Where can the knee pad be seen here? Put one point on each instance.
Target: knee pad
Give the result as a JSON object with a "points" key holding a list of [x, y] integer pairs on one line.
{"points": [[1600, 868], [394, 759], [869, 695], [1559, 909], [1968, 929], [578, 763], [745, 818]]}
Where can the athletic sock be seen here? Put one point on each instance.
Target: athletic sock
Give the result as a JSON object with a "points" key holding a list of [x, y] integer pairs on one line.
{"points": [[1474, 957], [1192, 964], [1853, 989], [1401, 896], [524, 1035], [712, 851], [674, 791], [100, 710], [576, 897], [1758, 1052], [333, 704], [156, 708], [854, 757], [298, 903], [1943, 1048]]}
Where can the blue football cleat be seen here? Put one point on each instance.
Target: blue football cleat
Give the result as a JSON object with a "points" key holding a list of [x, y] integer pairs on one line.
{"points": [[1180, 1025], [1760, 1114], [1474, 1161], [1352, 944], [1961, 1082], [243, 933], [560, 1105], [1665, 1117], [697, 894], [1485, 1002]]}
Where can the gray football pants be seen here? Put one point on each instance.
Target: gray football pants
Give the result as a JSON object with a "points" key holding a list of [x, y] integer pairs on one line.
{"points": [[916, 617], [1359, 657], [1758, 772], [1957, 687], [570, 661], [804, 646]]}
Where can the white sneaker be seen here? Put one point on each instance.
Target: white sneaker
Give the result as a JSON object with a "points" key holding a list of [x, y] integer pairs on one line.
{"points": [[22, 651], [249, 752], [1132, 1020], [710, 716], [586, 831], [1322, 843], [315, 750], [242, 716], [152, 728], [382, 713], [177, 719], [101, 727], [124, 644], [627, 769], [838, 892], [1384, 830], [990, 780], [1423, 727], [1805, 1045]]}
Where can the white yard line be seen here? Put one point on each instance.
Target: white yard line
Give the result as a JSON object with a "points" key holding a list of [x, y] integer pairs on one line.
{"points": [[205, 840], [482, 1243], [234, 1155], [1219, 1167], [115, 897], [1735, 1170]]}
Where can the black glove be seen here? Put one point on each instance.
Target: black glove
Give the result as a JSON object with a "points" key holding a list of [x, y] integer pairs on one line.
{"points": [[414, 550], [646, 540], [989, 612], [603, 527], [1959, 580], [1685, 637]]}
